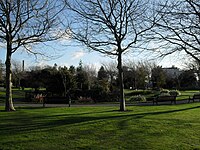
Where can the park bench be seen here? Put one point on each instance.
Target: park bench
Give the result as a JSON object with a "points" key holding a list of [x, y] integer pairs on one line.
{"points": [[157, 99], [194, 97]]}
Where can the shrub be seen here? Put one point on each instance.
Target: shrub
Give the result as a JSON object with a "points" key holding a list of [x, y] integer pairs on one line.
{"points": [[139, 92], [85, 100], [97, 95], [175, 93], [164, 92], [138, 98], [197, 93]]}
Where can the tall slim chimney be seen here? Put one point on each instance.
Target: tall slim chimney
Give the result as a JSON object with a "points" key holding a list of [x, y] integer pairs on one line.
{"points": [[23, 65]]}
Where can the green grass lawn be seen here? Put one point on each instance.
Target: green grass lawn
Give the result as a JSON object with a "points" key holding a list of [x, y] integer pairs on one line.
{"points": [[18, 94], [142, 127], [2, 95], [148, 93], [187, 94]]}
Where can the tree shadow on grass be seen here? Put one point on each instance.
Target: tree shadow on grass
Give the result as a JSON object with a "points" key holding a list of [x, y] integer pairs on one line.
{"points": [[25, 122], [29, 107]]}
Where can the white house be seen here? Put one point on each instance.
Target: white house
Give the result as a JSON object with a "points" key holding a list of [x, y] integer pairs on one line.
{"points": [[172, 72]]}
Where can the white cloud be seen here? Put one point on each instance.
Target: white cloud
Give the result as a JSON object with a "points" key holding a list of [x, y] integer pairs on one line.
{"points": [[41, 63], [78, 54]]}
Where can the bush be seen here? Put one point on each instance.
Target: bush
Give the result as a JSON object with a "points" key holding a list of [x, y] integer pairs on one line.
{"points": [[175, 93], [139, 92], [164, 92], [197, 93], [138, 98], [85, 100], [97, 95]]}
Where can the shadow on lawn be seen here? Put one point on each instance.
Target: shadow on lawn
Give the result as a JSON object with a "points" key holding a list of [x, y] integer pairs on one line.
{"points": [[169, 111], [25, 122]]}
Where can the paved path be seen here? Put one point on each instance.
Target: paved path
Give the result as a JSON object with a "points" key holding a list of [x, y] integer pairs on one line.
{"points": [[59, 105], [163, 103], [93, 105]]}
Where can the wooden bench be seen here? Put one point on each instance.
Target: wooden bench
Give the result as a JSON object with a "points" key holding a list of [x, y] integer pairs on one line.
{"points": [[164, 99], [194, 97]]}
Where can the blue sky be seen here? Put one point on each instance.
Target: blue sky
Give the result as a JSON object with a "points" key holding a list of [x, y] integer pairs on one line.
{"points": [[62, 55], [71, 55], [65, 52]]}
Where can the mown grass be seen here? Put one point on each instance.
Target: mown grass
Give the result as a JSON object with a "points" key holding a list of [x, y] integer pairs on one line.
{"points": [[141, 127], [18, 94]]}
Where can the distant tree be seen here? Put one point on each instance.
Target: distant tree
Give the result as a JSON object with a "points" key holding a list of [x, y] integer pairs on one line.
{"points": [[34, 79], [103, 79], [137, 74], [17, 72], [72, 70], [142, 74], [129, 77], [81, 77], [68, 79], [130, 74], [92, 75], [102, 74], [188, 79], [158, 77], [111, 69], [55, 80], [195, 67], [111, 27], [23, 23]]}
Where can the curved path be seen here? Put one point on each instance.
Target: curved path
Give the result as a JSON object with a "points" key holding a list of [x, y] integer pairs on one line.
{"points": [[94, 105]]}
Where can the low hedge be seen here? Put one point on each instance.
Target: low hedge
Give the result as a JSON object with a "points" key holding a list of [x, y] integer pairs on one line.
{"points": [[96, 95]]}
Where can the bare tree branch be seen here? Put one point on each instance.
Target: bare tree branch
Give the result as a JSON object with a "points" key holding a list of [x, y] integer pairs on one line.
{"points": [[179, 27], [111, 27], [24, 23]]}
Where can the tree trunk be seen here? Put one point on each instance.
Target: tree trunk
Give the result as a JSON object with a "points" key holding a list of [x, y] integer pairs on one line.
{"points": [[121, 83], [9, 103]]}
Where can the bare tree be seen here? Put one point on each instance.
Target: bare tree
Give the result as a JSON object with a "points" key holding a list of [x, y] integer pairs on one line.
{"points": [[111, 27], [17, 71], [91, 74], [178, 29], [141, 72], [195, 67], [23, 23], [111, 69]]}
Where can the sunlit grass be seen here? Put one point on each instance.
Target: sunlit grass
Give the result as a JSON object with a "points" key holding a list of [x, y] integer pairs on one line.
{"points": [[141, 127], [148, 93]]}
